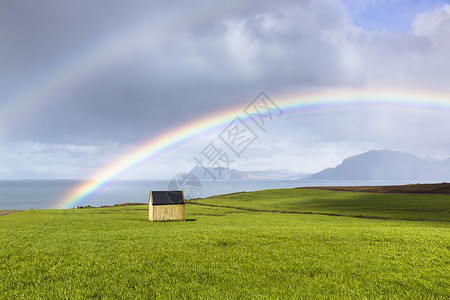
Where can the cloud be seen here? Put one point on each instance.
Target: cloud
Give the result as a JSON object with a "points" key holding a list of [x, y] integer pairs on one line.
{"points": [[173, 64], [34, 160]]}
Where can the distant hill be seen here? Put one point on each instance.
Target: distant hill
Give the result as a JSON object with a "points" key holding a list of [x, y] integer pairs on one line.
{"points": [[387, 165], [221, 173]]}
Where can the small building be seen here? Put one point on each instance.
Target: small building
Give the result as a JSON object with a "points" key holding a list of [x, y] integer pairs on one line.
{"points": [[166, 206]]}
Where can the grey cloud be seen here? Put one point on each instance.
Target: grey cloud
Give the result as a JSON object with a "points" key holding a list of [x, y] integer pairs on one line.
{"points": [[205, 59]]}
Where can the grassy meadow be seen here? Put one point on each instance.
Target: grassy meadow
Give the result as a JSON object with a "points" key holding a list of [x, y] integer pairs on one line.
{"points": [[226, 253], [396, 206]]}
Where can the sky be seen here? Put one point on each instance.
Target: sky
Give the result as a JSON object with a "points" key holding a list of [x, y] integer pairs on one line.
{"points": [[83, 83]]}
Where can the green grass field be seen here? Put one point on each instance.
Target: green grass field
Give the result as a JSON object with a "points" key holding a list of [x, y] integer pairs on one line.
{"points": [[224, 253], [396, 206]]}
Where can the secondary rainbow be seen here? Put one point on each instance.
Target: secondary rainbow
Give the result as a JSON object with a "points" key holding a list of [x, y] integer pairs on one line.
{"points": [[56, 82], [289, 104]]}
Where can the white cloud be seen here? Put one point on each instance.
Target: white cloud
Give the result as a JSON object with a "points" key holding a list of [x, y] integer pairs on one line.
{"points": [[432, 24]]}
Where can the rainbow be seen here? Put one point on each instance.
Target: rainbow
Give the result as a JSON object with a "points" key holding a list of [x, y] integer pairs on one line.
{"points": [[305, 101], [58, 80]]}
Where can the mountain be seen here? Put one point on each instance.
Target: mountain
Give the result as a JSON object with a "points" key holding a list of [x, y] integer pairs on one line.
{"points": [[221, 173], [387, 165], [218, 173], [275, 174]]}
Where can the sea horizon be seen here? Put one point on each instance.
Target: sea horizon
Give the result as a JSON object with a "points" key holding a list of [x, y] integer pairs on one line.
{"points": [[23, 194]]}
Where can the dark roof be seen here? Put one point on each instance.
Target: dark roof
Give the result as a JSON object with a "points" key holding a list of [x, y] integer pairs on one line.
{"points": [[167, 197]]}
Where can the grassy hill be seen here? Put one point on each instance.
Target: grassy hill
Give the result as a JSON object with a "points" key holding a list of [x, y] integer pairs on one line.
{"points": [[382, 205], [228, 253]]}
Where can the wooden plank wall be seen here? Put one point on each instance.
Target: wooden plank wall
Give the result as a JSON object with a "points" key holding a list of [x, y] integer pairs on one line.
{"points": [[167, 212]]}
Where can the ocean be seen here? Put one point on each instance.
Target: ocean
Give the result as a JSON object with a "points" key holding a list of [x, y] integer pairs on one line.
{"points": [[44, 194]]}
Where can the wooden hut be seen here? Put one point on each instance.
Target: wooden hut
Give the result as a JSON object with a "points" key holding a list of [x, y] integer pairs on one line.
{"points": [[166, 206]]}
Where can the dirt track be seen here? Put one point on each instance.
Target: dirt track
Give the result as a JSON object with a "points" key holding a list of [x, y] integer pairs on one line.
{"points": [[435, 188], [8, 212]]}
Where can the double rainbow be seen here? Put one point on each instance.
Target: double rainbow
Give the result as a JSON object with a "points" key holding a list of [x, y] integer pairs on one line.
{"points": [[289, 104]]}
